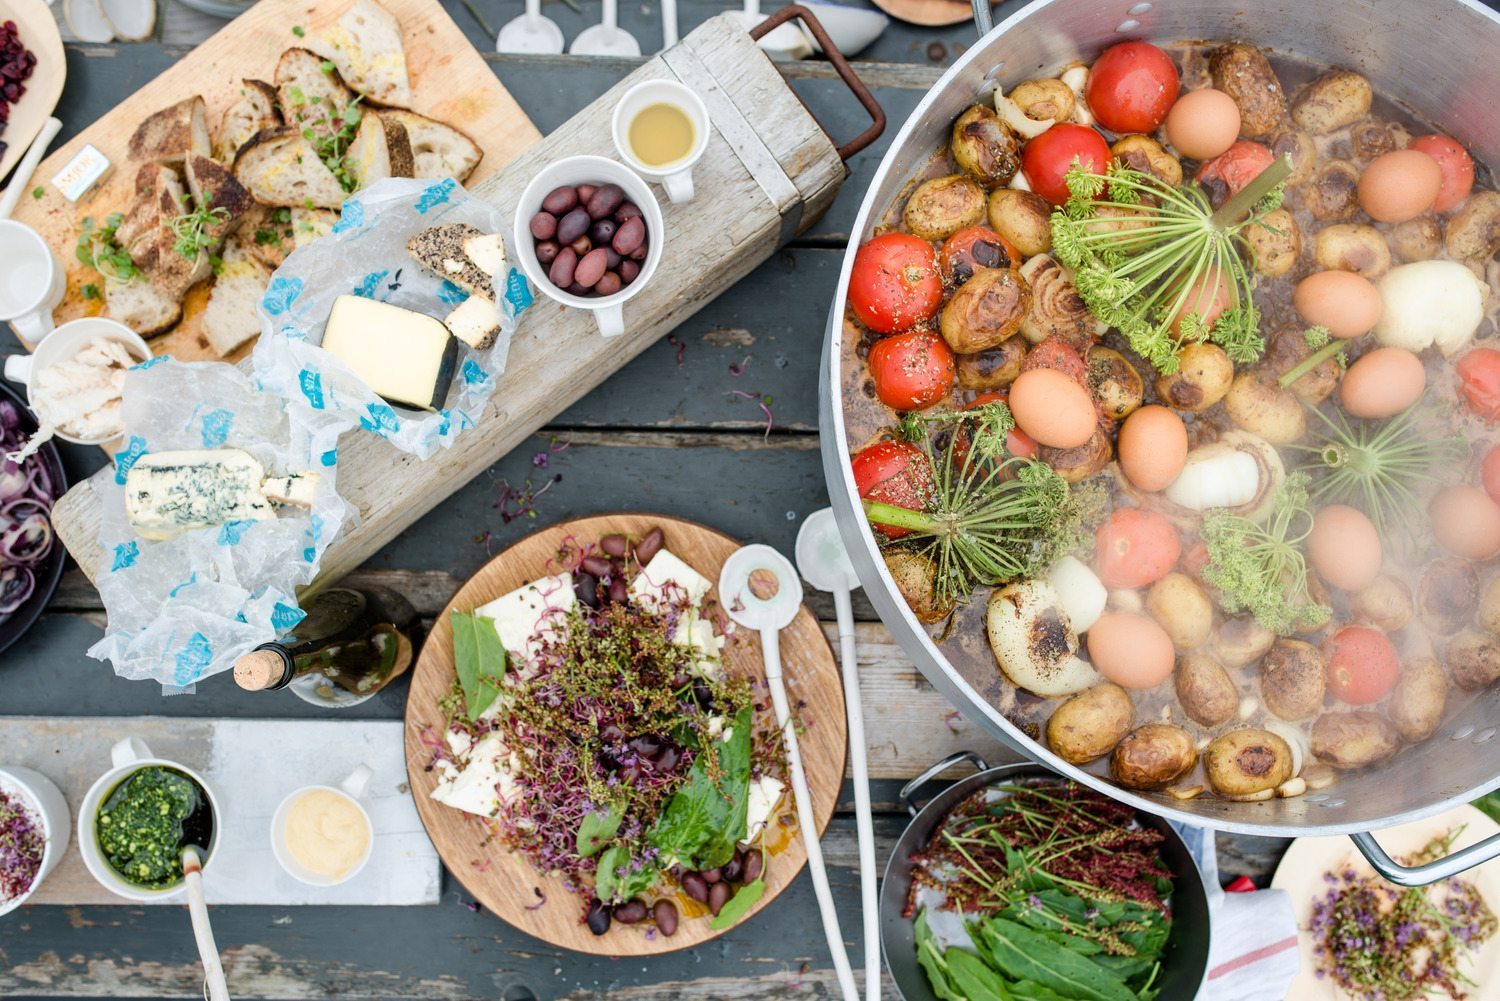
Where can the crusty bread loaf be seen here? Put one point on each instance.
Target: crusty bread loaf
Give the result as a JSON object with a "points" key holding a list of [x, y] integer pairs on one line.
{"points": [[380, 149], [365, 45], [280, 167], [254, 110], [170, 134], [230, 318], [438, 150]]}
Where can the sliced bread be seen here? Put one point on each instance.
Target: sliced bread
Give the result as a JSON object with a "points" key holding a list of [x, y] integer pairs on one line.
{"points": [[254, 110], [380, 149], [310, 90], [141, 306], [170, 134], [230, 319], [438, 150], [475, 322], [267, 233], [215, 188], [365, 45], [311, 224], [280, 167], [440, 250], [142, 215]]}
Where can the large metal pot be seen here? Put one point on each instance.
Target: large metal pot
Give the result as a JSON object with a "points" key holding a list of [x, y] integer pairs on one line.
{"points": [[1434, 57], [1185, 963]]}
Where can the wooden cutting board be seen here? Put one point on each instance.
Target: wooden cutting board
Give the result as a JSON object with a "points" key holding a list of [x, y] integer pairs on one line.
{"points": [[450, 82], [505, 883]]}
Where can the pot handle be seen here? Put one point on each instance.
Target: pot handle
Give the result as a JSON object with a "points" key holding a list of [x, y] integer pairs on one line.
{"points": [[933, 772], [1421, 875]]}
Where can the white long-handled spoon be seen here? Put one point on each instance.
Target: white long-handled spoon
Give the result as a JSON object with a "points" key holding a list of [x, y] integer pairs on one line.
{"points": [[783, 42], [21, 176], [668, 23], [208, 950], [824, 563], [759, 590], [606, 38], [530, 33]]}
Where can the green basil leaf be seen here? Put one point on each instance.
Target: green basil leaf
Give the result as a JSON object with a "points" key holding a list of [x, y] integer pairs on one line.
{"points": [[738, 905], [616, 882], [596, 830], [705, 819], [479, 658]]}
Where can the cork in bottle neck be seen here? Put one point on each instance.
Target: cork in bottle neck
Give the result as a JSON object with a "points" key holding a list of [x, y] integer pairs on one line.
{"points": [[258, 670]]}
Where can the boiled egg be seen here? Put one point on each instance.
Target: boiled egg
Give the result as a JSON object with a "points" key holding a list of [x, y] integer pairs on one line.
{"points": [[1344, 547], [1131, 650], [1052, 408], [1347, 304], [1153, 447], [1465, 522], [1399, 185], [1203, 123], [1382, 383]]}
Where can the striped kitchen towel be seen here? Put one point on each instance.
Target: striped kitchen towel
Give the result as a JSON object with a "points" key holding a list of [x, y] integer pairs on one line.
{"points": [[1253, 955]]}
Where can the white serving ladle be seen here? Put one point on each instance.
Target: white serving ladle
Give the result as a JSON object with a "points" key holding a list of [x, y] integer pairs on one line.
{"points": [[824, 563], [770, 612], [530, 33], [606, 38], [203, 933], [668, 23], [783, 42]]}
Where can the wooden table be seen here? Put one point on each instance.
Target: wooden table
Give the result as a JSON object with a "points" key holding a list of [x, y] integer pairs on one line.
{"points": [[669, 432]]}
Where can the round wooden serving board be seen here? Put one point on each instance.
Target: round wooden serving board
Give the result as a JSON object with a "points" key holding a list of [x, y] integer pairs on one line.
{"points": [[506, 883]]}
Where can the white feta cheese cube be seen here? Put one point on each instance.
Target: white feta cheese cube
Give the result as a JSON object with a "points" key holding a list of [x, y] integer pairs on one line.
{"points": [[483, 779], [668, 580], [530, 616], [765, 793]]}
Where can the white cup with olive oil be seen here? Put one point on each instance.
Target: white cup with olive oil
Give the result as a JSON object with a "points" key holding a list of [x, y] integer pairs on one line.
{"points": [[661, 130]]}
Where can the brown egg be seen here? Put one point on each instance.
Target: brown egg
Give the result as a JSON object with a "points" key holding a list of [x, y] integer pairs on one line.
{"points": [[1344, 547], [1399, 186], [1131, 650], [1153, 447], [1465, 522], [1052, 408], [1382, 383], [1349, 305], [1203, 123]]}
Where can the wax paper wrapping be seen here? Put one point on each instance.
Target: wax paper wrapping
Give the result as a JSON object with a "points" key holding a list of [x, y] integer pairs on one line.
{"points": [[366, 255], [183, 609]]}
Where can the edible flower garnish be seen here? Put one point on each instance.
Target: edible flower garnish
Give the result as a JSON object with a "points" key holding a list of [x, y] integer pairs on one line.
{"points": [[21, 846]]}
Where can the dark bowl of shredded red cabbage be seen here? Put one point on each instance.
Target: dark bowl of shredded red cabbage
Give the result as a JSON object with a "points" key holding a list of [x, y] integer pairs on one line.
{"points": [[31, 557]]}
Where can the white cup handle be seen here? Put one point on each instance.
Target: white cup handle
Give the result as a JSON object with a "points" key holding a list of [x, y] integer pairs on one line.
{"points": [[32, 327], [679, 186], [358, 782], [129, 750], [18, 368], [611, 320]]}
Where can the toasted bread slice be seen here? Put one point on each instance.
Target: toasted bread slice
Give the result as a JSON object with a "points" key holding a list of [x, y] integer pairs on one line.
{"points": [[256, 109], [141, 306], [310, 90], [438, 150], [267, 233], [440, 250], [172, 133], [216, 189], [280, 167], [142, 215], [230, 319], [380, 149], [365, 45]]}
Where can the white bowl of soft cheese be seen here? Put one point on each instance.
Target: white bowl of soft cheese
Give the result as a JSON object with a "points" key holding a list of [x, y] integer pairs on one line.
{"points": [[75, 382]]}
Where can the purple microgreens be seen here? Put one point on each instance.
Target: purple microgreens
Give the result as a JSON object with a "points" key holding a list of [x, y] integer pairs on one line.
{"points": [[763, 401]]}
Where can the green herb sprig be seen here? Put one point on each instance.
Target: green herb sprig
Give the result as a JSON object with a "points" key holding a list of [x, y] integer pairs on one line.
{"points": [[193, 230], [97, 248], [331, 136]]}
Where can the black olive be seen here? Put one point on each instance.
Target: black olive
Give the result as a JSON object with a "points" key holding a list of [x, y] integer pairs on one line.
{"points": [[598, 917]]}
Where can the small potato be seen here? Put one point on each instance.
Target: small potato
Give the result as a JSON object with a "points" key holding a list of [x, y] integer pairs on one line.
{"points": [[1330, 194], [1352, 247], [1287, 349], [1088, 726], [1489, 608], [1257, 403], [1372, 137], [1274, 243], [1353, 739], [985, 147], [1386, 604], [1203, 377], [1291, 679], [1245, 74], [1301, 148], [1247, 761], [1022, 217], [1043, 100], [1182, 609], [1148, 156], [1241, 642], [993, 368], [1474, 229], [1418, 239], [986, 311], [1447, 595], [1075, 465], [1333, 100], [1115, 384], [1418, 701], [1204, 690], [1152, 756], [943, 206], [915, 576], [1473, 660]]}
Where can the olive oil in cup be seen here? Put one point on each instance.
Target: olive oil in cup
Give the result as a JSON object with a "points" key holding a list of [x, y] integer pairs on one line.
{"points": [[661, 130]]}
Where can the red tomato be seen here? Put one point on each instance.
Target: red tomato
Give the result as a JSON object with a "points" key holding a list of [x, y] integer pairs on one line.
{"points": [[895, 283], [894, 473], [1131, 87], [1490, 471], [1361, 665], [912, 371], [1056, 353], [1456, 165], [1047, 159], [1479, 371], [1227, 173], [973, 248], [1017, 442], [1135, 547]]}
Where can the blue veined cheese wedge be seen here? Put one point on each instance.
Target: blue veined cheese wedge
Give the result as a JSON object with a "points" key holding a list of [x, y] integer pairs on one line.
{"points": [[168, 493], [665, 580], [531, 615], [406, 358]]}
